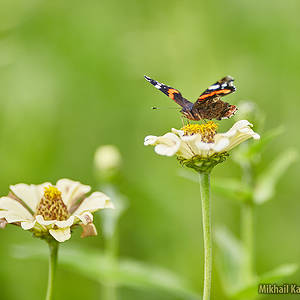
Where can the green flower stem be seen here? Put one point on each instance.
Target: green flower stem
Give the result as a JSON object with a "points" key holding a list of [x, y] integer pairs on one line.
{"points": [[247, 239], [247, 226], [204, 180], [109, 291], [53, 248]]}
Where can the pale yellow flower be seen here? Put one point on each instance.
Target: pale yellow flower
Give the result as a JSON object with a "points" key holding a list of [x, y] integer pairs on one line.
{"points": [[200, 140], [52, 210]]}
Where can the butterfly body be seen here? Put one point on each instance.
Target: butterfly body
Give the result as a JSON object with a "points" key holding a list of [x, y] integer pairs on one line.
{"points": [[209, 104]]}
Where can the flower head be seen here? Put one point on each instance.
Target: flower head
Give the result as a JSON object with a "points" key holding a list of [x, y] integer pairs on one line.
{"points": [[107, 161], [200, 146], [49, 210], [107, 157]]}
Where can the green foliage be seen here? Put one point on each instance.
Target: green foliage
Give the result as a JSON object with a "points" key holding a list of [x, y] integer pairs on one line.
{"points": [[230, 260], [233, 254], [101, 268], [72, 79], [267, 180]]}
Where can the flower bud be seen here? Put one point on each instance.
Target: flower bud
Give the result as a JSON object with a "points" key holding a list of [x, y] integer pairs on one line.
{"points": [[107, 161]]}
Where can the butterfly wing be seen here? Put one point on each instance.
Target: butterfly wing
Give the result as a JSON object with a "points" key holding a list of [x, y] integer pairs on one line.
{"points": [[171, 93], [220, 88], [209, 104]]}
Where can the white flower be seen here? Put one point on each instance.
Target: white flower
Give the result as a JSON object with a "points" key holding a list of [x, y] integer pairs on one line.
{"points": [[46, 209], [201, 140]]}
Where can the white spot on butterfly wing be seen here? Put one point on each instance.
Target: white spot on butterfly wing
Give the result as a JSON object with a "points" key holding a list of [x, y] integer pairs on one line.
{"points": [[158, 85], [214, 87]]}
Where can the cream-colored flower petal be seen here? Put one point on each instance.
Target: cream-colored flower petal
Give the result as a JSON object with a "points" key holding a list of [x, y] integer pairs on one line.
{"points": [[13, 211], [85, 217], [95, 201], [61, 235], [221, 145], [190, 144], [30, 194], [167, 144], [64, 224], [26, 225], [178, 132], [150, 140], [71, 191], [241, 137], [40, 219], [185, 151], [237, 134]]}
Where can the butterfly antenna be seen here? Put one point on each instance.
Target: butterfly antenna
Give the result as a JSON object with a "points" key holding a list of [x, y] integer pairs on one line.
{"points": [[155, 107]]}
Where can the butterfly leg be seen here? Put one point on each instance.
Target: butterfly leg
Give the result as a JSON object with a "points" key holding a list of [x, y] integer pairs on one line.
{"points": [[182, 120]]}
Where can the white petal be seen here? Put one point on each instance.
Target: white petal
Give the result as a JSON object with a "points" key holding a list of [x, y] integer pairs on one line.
{"points": [[150, 140], [61, 235], [203, 146], [221, 145], [94, 202], [85, 217], [67, 223], [180, 133], [40, 219], [26, 225], [256, 136], [167, 144], [13, 211], [239, 133], [240, 124], [30, 194], [71, 190]]}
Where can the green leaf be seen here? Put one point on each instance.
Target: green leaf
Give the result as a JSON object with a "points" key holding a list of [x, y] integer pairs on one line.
{"points": [[231, 188], [267, 181], [271, 277], [226, 187], [127, 272], [250, 151], [265, 139], [230, 258]]}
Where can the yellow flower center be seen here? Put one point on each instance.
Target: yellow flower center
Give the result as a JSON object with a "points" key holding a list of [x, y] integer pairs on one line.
{"points": [[207, 131], [51, 206]]}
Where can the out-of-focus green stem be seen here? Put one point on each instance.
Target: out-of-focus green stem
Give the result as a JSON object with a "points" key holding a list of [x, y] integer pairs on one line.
{"points": [[247, 227], [204, 180], [247, 239], [53, 250], [109, 291]]}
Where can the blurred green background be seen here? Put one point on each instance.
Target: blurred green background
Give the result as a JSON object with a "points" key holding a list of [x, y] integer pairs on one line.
{"points": [[71, 79]]}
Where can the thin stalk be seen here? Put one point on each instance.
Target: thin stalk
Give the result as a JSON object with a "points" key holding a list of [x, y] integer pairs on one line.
{"points": [[247, 227], [204, 180], [109, 290], [247, 239], [53, 249]]}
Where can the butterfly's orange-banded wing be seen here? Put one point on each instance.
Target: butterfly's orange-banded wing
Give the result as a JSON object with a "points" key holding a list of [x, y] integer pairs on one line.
{"points": [[170, 92], [220, 88]]}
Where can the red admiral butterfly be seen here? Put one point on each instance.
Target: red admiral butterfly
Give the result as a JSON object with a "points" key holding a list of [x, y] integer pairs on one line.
{"points": [[209, 104]]}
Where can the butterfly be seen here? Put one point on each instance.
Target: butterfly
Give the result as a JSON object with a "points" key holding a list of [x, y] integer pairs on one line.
{"points": [[209, 104]]}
